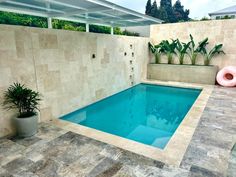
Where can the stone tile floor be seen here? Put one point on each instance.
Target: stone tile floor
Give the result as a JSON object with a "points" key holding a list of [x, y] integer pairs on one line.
{"points": [[57, 152]]}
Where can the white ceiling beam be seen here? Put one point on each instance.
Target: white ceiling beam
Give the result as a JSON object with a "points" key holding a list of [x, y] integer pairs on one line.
{"points": [[33, 6], [109, 15], [101, 22], [82, 11], [86, 17], [62, 4], [117, 20], [21, 11]]}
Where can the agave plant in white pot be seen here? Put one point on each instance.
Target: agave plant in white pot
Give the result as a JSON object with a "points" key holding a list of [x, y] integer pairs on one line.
{"points": [[26, 102]]}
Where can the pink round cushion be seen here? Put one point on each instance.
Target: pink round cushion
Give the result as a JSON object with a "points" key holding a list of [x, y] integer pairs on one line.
{"points": [[227, 76]]}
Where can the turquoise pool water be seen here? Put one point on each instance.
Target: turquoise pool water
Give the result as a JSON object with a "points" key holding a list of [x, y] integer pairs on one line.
{"points": [[148, 114]]}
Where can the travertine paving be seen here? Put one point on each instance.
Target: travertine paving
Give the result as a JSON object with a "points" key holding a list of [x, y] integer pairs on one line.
{"points": [[232, 163], [57, 152]]}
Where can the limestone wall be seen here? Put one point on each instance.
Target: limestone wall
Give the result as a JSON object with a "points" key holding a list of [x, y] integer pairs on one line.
{"points": [[60, 65], [218, 31]]}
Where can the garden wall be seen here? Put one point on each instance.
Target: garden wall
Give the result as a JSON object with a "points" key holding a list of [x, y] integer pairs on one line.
{"points": [[218, 31], [70, 69]]}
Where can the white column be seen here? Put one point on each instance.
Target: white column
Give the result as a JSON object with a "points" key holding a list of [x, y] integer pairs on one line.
{"points": [[49, 22], [112, 30], [49, 19], [87, 27]]}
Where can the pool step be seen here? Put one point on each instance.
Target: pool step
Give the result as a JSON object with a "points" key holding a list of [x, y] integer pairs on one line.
{"points": [[150, 136]]}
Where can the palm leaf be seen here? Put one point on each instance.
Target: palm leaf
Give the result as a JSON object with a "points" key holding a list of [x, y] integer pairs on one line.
{"points": [[217, 49], [25, 100]]}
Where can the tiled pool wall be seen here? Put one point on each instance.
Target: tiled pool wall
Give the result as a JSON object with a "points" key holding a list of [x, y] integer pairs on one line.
{"points": [[70, 69]]}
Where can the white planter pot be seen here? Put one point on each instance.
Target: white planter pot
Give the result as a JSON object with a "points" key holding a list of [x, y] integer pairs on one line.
{"points": [[26, 127]]}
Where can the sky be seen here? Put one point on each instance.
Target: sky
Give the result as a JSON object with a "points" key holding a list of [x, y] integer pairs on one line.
{"points": [[198, 8]]}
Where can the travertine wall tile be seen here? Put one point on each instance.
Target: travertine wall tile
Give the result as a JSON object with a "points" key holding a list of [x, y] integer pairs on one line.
{"points": [[70, 69], [48, 41], [16, 64]]}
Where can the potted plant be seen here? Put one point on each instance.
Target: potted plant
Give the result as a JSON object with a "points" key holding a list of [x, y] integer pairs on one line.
{"points": [[217, 49], [155, 49], [182, 49], [194, 51], [26, 102], [168, 48]]}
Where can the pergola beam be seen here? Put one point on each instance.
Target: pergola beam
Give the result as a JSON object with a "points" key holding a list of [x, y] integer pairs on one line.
{"points": [[63, 4], [80, 11], [33, 6], [20, 11], [117, 20]]}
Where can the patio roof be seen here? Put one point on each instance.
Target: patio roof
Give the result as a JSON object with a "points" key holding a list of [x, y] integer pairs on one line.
{"points": [[98, 12], [228, 10]]}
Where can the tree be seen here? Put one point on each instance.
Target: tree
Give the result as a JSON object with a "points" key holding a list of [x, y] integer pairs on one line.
{"points": [[166, 5], [166, 12], [148, 7], [163, 15], [179, 12], [186, 15], [154, 10]]}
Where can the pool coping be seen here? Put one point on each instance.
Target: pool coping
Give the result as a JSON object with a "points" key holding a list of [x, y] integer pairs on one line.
{"points": [[174, 151]]}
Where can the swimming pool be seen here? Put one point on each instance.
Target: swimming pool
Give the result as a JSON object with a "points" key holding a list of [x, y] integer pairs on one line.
{"points": [[148, 114]]}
